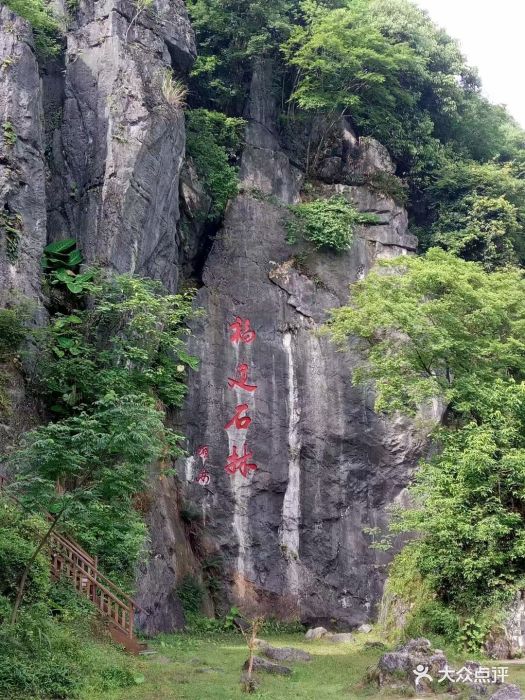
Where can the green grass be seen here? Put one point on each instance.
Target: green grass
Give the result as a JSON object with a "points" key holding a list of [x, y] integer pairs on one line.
{"points": [[190, 667]]}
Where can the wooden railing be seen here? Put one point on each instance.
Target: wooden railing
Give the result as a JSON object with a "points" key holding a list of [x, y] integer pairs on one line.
{"points": [[70, 560]]}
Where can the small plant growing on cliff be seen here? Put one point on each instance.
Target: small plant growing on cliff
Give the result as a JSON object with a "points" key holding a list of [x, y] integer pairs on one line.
{"points": [[174, 90], [46, 27], [9, 133], [61, 261], [213, 142], [11, 226], [327, 223]]}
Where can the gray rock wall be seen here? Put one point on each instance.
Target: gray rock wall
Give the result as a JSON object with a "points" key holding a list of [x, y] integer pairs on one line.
{"points": [[118, 149], [290, 533], [22, 206], [22, 177]]}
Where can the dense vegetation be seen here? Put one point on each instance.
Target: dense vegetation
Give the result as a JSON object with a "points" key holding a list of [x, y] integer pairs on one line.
{"points": [[447, 330], [46, 26], [328, 224], [109, 365], [385, 66]]}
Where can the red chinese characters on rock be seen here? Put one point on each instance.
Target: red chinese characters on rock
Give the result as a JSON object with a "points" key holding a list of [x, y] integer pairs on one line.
{"points": [[242, 381], [236, 463], [203, 477], [203, 452], [239, 421], [242, 331]]}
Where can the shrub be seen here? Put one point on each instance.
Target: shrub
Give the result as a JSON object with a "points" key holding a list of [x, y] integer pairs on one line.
{"points": [[19, 534], [46, 27], [12, 332], [213, 143], [42, 657], [191, 594], [327, 223], [174, 91], [11, 226]]}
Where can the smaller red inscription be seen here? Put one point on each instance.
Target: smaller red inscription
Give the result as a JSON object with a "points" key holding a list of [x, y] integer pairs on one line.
{"points": [[239, 421], [238, 463], [242, 381], [203, 477], [242, 331], [203, 452]]}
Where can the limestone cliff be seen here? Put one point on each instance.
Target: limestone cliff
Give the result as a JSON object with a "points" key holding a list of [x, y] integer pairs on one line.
{"points": [[99, 147]]}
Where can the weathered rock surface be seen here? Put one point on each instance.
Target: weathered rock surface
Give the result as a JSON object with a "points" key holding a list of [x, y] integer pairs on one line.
{"points": [[316, 633], [507, 691], [22, 177], [118, 151], [417, 666], [283, 653], [260, 664], [22, 206], [340, 638], [291, 533]]}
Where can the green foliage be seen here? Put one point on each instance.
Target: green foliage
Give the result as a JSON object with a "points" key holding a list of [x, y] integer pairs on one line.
{"points": [[191, 594], [327, 223], [131, 340], [46, 27], [441, 328], [101, 456], [19, 534], [231, 34], [345, 63], [480, 228], [102, 371], [61, 255], [437, 327], [12, 331], [213, 143], [9, 133], [11, 227], [480, 213], [61, 262], [45, 657], [399, 78], [472, 635]]}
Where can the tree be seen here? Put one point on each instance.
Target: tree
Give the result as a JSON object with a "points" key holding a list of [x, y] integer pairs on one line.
{"points": [[440, 327], [108, 372], [96, 457], [230, 35]]}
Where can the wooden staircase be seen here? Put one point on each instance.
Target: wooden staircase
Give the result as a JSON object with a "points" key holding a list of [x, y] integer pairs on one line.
{"points": [[118, 609], [70, 560]]}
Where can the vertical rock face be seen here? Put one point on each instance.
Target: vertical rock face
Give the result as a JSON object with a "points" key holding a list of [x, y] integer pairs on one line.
{"points": [[22, 179], [290, 533], [119, 149], [22, 203]]}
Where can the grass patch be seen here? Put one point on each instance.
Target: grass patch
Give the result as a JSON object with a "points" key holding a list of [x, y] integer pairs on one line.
{"points": [[196, 666]]}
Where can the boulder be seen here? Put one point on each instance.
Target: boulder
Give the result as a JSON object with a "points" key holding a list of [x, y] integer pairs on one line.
{"points": [[316, 633], [507, 691], [365, 629], [498, 645], [396, 669], [341, 638], [285, 654], [260, 664]]}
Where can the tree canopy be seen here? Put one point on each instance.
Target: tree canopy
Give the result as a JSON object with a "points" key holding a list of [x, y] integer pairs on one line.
{"points": [[437, 327]]}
